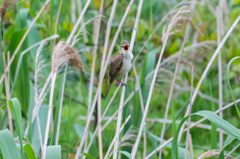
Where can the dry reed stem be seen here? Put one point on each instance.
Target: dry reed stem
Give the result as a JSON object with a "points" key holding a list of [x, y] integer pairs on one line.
{"points": [[177, 20], [111, 145], [60, 108], [172, 85], [100, 83], [219, 19], [156, 28], [20, 61], [50, 110], [94, 52], [56, 22], [191, 146], [79, 7], [108, 30], [109, 26], [189, 118], [142, 108], [73, 11], [210, 63], [116, 112], [134, 150], [78, 22], [203, 126], [193, 125], [233, 149], [213, 153], [37, 100], [115, 151], [3, 10], [63, 52], [24, 37], [98, 127], [101, 80], [109, 119]]}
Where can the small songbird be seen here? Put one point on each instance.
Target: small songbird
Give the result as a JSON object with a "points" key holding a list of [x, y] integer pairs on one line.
{"points": [[120, 64]]}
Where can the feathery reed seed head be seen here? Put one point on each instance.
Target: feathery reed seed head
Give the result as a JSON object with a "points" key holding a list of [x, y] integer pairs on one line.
{"points": [[63, 52], [179, 20], [213, 153], [6, 4]]}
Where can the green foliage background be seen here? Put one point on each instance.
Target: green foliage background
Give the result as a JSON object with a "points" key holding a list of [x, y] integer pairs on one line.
{"points": [[18, 19]]}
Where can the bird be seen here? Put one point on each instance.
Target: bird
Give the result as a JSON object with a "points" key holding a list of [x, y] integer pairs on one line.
{"points": [[120, 64]]}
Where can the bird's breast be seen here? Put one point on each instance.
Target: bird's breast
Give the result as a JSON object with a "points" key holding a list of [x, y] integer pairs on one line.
{"points": [[126, 67]]}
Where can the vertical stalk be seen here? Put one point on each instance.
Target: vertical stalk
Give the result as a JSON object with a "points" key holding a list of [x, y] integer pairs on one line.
{"points": [[60, 108], [96, 37], [172, 86], [189, 118], [6, 78], [219, 16], [24, 37], [119, 119], [134, 150], [50, 110]]}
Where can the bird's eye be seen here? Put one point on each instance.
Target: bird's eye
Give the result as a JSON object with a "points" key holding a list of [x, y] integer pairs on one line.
{"points": [[126, 47]]}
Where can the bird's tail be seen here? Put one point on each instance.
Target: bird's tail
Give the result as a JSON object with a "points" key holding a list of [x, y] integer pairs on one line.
{"points": [[110, 80], [109, 83]]}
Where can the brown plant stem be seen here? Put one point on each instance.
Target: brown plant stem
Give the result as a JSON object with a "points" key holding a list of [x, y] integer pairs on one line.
{"points": [[6, 78]]}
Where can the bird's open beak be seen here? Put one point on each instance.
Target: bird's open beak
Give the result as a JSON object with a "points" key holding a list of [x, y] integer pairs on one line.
{"points": [[126, 48]]}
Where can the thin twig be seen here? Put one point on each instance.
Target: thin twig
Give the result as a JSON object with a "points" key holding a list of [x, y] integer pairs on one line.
{"points": [[75, 100], [189, 118]]}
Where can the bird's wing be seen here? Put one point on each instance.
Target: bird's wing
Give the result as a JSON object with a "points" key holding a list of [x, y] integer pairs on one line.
{"points": [[115, 65]]}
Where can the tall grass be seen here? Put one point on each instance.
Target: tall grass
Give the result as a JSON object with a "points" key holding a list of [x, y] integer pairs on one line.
{"points": [[127, 123]]}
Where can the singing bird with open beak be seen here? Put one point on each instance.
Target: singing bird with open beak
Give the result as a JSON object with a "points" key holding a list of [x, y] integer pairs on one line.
{"points": [[120, 64]]}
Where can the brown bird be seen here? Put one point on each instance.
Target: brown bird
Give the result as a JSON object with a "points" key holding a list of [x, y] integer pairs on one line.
{"points": [[120, 64]]}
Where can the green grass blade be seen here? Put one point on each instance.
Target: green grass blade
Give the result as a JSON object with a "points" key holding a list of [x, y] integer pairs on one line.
{"points": [[17, 114], [53, 152], [226, 143], [29, 151], [126, 154], [212, 117], [229, 85], [214, 128], [89, 156], [7, 145]]}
